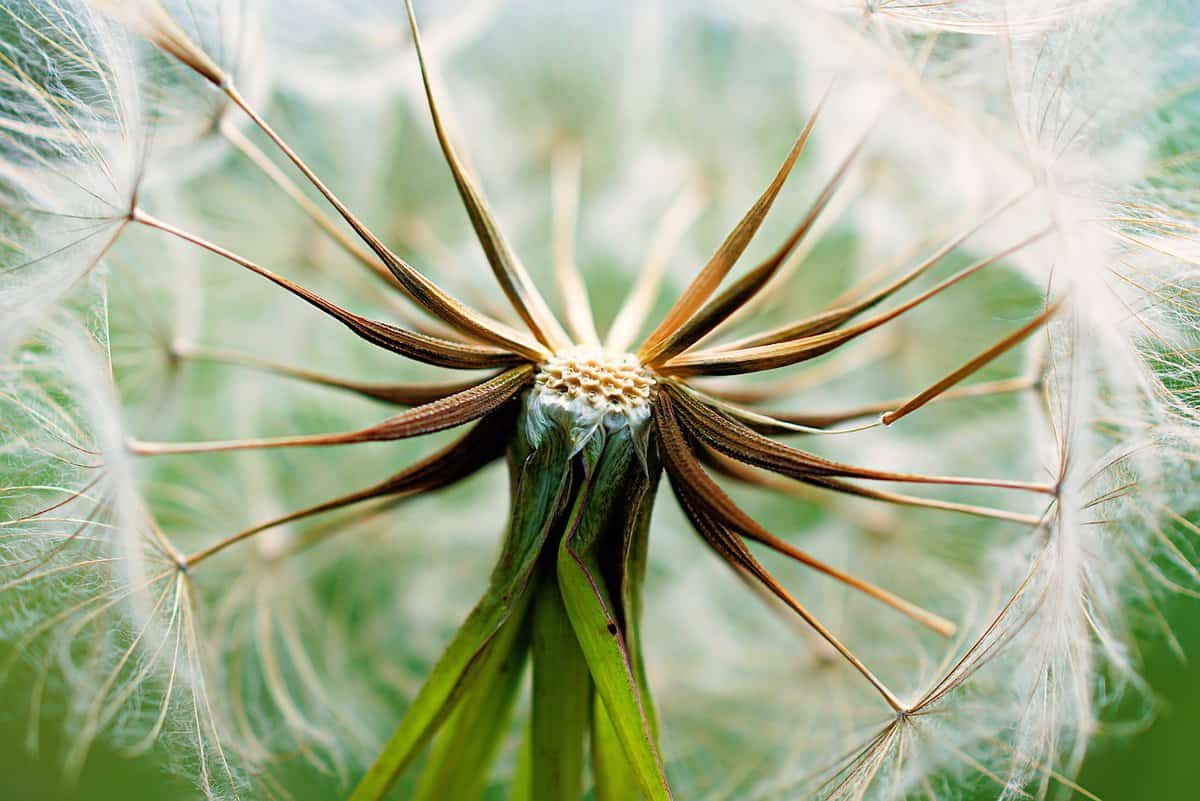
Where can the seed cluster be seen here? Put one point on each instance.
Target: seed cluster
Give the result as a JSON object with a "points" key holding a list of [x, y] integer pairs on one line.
{"points": [[612, 382]]}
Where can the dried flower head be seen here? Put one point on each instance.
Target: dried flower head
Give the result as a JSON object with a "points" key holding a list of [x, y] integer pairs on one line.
{"points": [[979, 298]]}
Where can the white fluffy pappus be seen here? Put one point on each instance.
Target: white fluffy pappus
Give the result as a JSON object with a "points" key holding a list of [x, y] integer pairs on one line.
{"points": [[72, 133]]}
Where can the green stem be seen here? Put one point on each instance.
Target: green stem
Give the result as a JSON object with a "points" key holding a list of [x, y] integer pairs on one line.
{"points": [[576, 551], [522, 781], [463, 752], [562, 690], [635, 555], [539, 496], [614, 774], [598, 523]]}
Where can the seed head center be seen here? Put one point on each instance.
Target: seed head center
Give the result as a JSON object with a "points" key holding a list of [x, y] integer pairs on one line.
{"points": [[610, 382]]}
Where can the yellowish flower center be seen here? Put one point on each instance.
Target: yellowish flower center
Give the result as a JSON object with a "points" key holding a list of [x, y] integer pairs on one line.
{"points": [[610, 382]]}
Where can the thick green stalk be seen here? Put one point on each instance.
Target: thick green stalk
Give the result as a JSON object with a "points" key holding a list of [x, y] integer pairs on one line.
{"points": [[463, 751], [632, 577], [542, 481], [616, 479], [562, 690], [614, 774], [567, 590]]}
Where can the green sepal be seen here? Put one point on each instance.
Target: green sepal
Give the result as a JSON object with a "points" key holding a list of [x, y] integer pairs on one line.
{"points": [[462, 754], [613, 772], [614, 776], [634, 557], [562, 693], [538, 498], [602, 509]]}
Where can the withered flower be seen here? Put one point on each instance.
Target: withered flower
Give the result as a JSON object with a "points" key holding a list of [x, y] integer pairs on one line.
{"points": [[588, 419]]}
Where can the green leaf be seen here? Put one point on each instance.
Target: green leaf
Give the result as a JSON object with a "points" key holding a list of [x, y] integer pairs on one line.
{"points": [[562, 692], [602, 507], [538, 499]]}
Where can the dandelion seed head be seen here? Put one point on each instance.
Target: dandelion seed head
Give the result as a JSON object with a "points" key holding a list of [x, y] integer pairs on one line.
{"points": [[986, 125], [613, 383]]}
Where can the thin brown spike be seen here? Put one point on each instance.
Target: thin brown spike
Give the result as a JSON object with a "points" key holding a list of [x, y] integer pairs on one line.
{"points": [[360, 254], [479, 447], [774, 298], [781, 354], [424, 292], [421, 347], [872, 520], [778, 425], [718, 311], [777, 422], [900, 499], [843, 310], [807, 488], [420, 234], [707, 496], [268, 168], [868, 352], [509, 271], [399, 394], [737, 441], [734, 551], [722, 261], [438, 415], [953, 377]]}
